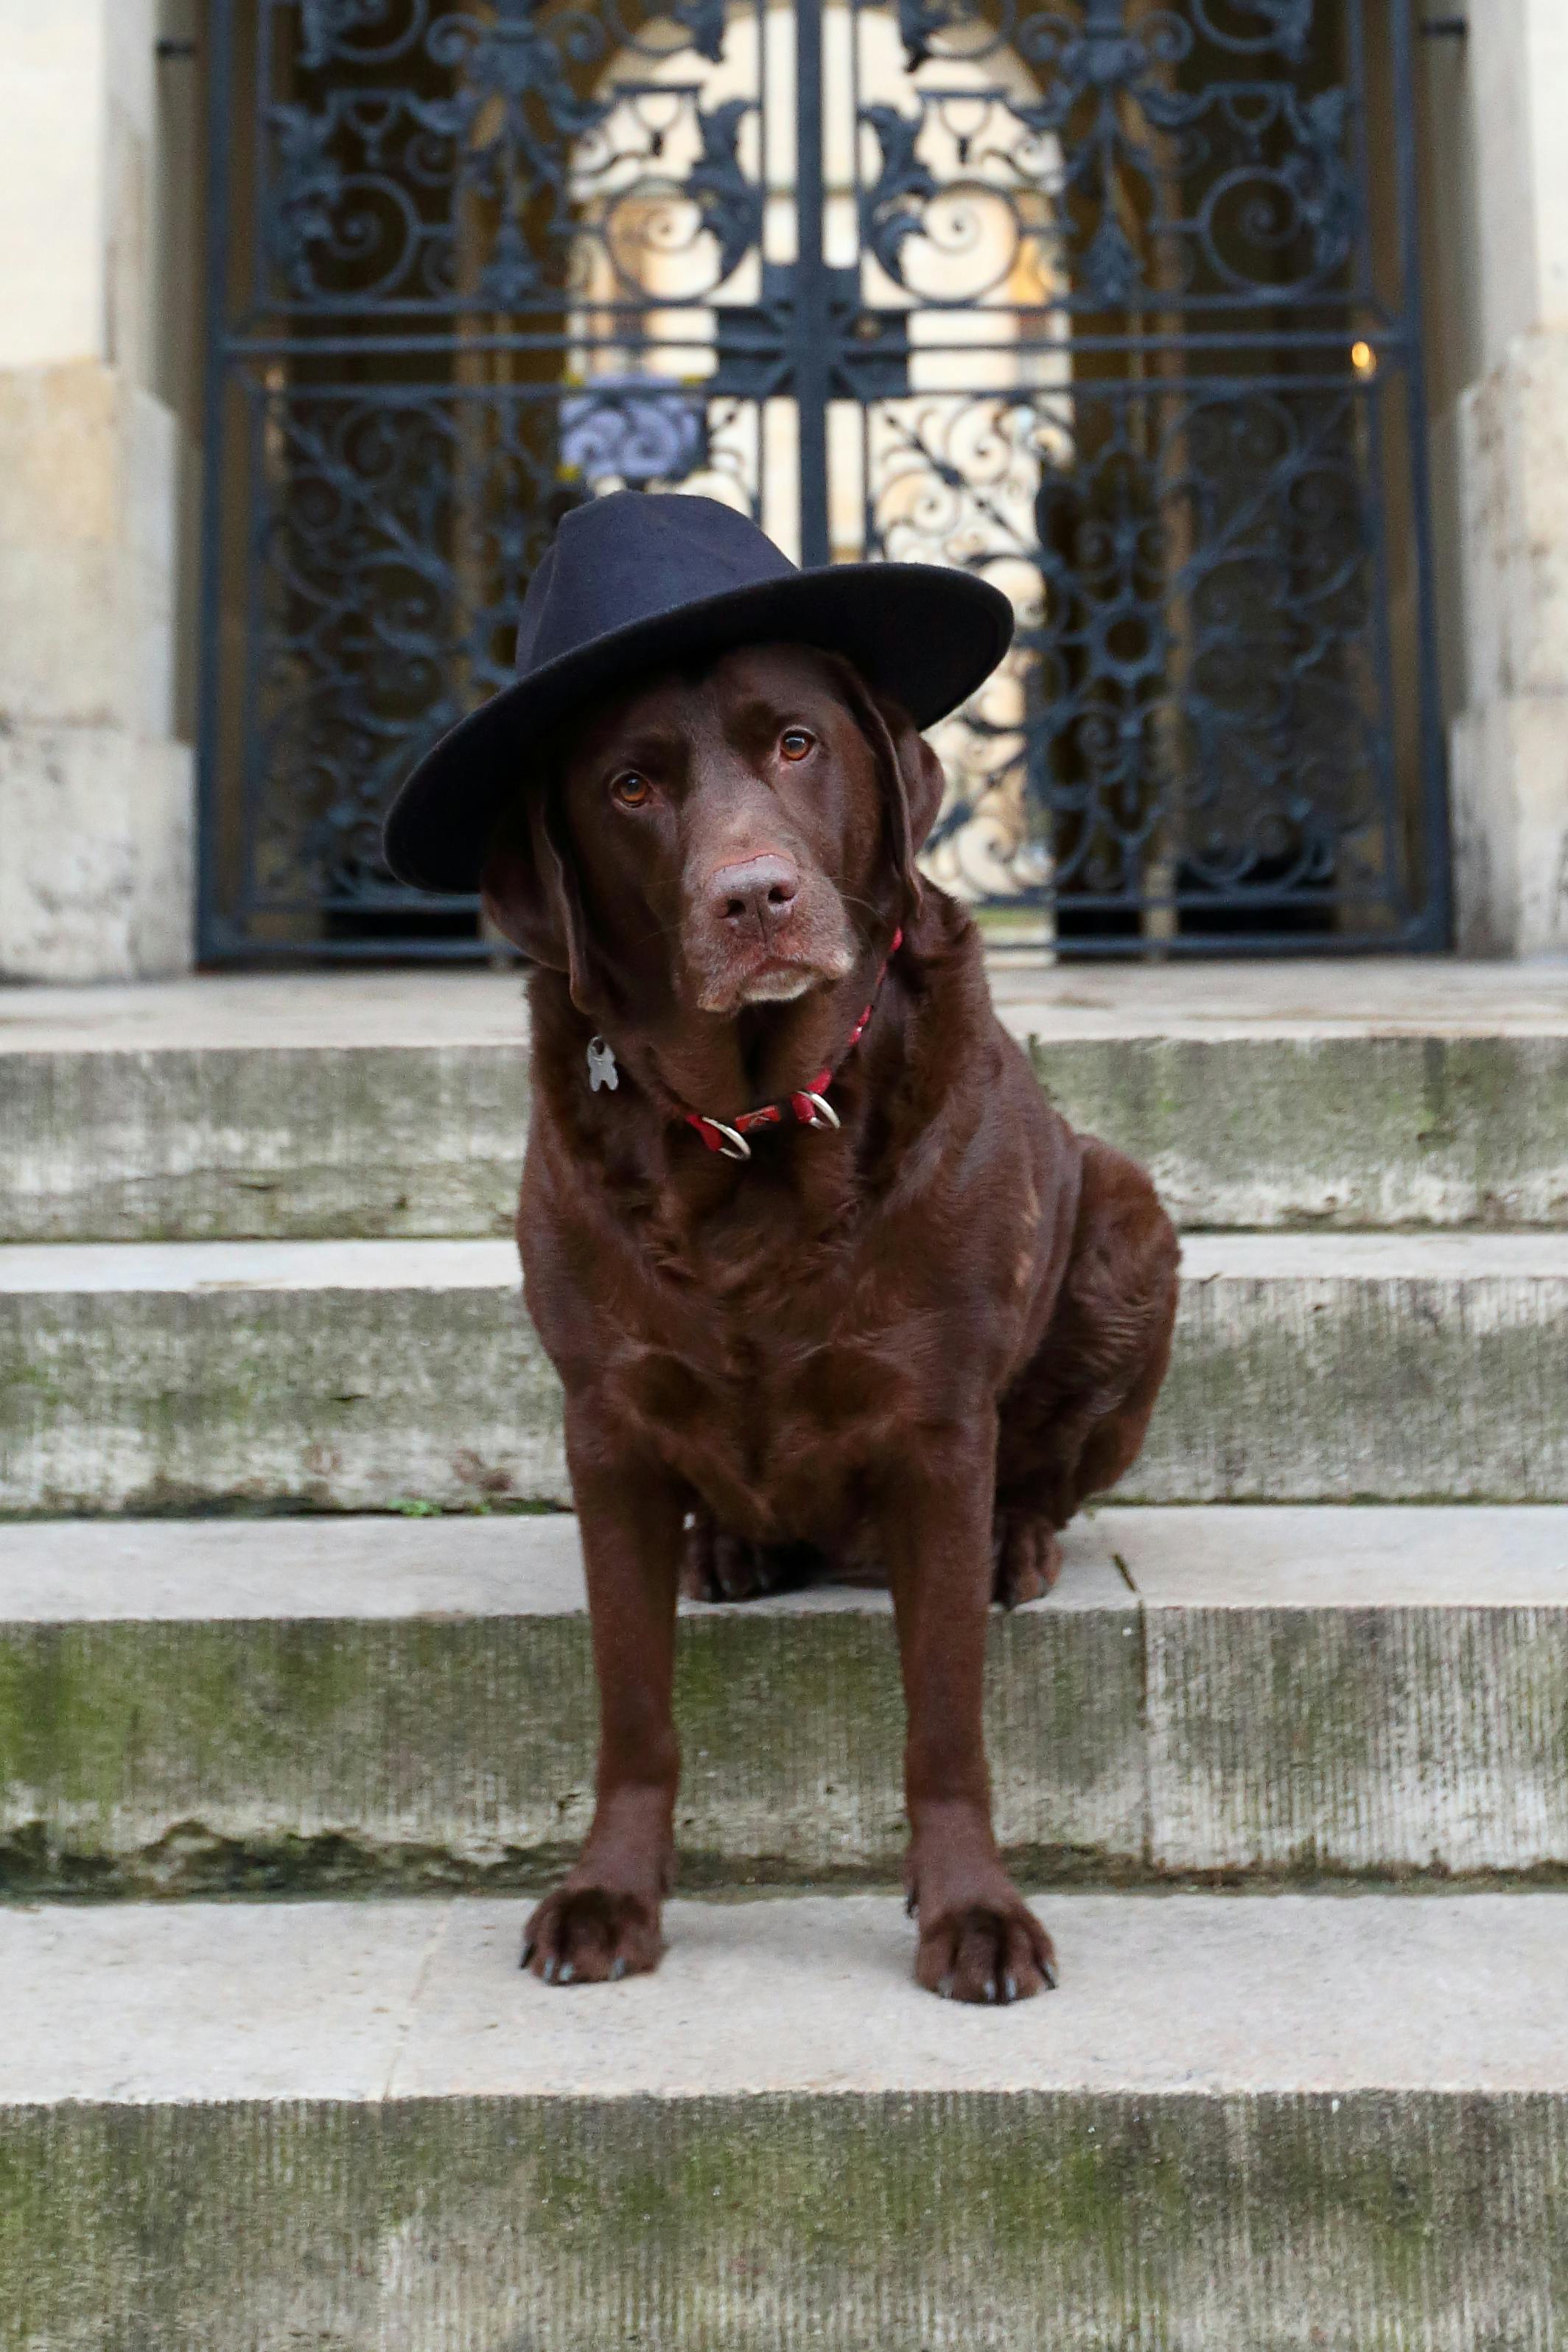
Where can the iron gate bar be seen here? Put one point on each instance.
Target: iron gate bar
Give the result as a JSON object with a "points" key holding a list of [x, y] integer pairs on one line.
{"points": [[1389, 339], [217, 938], [312, 698], [1433, 927], [809, 342]]}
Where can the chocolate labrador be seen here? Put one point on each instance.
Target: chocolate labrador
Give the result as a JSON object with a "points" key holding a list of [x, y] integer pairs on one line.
{"points": [[830, 1287]]}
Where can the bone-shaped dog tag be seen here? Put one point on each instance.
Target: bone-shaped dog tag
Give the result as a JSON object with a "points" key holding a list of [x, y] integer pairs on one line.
{"points": [[601, 1070]]}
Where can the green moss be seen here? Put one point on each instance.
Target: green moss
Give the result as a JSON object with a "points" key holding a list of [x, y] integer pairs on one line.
{"points": [[318, 1755], [202, 1756], [724, 2225], [1312, 1740]]}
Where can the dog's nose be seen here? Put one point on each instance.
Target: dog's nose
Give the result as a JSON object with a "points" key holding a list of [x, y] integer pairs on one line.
{"points": [[762, 891]]}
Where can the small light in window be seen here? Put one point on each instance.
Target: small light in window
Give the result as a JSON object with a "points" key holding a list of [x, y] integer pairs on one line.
{"points": [[1363, 359]]}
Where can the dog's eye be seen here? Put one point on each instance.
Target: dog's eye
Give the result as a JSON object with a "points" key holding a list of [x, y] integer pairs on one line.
{"points": [[632, 791], [794, 743]]}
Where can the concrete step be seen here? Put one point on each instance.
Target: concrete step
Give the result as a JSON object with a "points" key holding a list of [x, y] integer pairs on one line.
{"points": [[289, 1705], [1350, 1095], [352, 1375], [1241, 2122]]}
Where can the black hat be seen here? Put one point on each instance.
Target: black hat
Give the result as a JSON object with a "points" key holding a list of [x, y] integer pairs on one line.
{"points": [[642, 578]]}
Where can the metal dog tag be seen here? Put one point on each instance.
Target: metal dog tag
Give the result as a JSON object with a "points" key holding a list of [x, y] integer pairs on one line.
{"points": [[601, 1070]]}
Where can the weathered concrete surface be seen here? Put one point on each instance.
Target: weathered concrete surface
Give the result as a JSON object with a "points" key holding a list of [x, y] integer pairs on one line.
{"points": [[335, 1375], [1323, 1096], [1437, 1557], [271, 1141], [150, 2002], [412, 1140], [1239, 2125], [1330, 1131], [296, 1704], [1364, 1367], [352, 1375], [1373, 1690], [291, 1703]]}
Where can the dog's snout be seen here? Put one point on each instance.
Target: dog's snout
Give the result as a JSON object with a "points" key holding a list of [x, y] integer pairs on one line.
{"points": [[761, 891]]}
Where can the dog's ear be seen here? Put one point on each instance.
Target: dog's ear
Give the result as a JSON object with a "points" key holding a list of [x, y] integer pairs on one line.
{"points": [[919, 771], [529, 891], [912, 779]]}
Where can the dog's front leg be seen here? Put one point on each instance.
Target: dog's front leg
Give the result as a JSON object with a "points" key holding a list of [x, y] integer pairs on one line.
{"points": [[978, 1940], [602, 1920]]}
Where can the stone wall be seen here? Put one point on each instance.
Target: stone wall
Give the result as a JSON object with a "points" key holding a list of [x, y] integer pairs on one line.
{"points": [[1510, 738], [96, 827]]}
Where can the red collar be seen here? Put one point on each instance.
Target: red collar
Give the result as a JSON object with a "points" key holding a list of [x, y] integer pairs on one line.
{"points": [[810, 1105]]}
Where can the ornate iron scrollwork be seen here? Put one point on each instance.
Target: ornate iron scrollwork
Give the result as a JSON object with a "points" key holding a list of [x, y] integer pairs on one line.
{"points": [[730, 203], [1198, 707], [1250, 192]]}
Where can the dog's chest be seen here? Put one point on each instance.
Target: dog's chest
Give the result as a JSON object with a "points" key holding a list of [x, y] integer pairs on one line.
{"points": [[778, 1418]]}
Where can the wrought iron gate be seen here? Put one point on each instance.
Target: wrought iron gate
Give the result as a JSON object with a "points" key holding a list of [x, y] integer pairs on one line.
{"points": [[1113, 301]]}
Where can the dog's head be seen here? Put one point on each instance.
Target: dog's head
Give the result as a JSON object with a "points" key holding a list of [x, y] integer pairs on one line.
{"points": [[718, 839]]}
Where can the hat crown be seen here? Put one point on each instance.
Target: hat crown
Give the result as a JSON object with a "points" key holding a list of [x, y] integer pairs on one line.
{"points": [[645, 580], [632, 557]]}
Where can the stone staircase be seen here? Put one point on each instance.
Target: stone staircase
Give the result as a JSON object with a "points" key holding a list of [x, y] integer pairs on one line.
{"points": [[284, 1613]]}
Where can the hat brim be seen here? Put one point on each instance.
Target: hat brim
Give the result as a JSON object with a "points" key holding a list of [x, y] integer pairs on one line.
{"points": [[924, 635]]}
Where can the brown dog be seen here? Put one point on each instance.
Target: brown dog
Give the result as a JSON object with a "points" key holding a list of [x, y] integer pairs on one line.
{"points": [[913, 1338]]}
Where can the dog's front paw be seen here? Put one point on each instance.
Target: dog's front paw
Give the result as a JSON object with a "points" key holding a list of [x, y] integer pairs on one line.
{"points": [[979, 1940], [593, 1935]]}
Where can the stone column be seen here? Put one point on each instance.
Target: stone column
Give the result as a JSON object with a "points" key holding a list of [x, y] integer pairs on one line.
{"points": [[96, 832], [1510, 740]]}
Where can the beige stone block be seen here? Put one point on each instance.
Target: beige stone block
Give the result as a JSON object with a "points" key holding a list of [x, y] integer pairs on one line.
{"points": [[1514, 447], [1511, 745], [1498, 122], [1516, 74], [60, 553], [1533, 558], [149, 541], [1546, 97], [1510, 791], [96, 830], [131, 168], [1540, 729], [1485, 838], [95, 854], [1484, 527], [53, 167], [1364, 1366], [88, 522]]}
